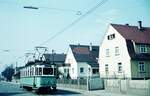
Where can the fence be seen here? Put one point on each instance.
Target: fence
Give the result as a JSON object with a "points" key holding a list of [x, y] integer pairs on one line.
{"points": [[84, 83], [136, 87], [73, 83]]}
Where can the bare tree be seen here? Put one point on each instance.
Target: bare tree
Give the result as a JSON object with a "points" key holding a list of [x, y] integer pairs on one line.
{"points": [[8, 72]]}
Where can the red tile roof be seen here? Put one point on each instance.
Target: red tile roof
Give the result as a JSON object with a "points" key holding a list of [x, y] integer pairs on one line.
{"points": [[133, 33], [82, 53], [81, 50]]}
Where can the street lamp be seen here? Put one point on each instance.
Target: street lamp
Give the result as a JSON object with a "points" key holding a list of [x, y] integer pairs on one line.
{"points": [[6, 50], [30, 7]]}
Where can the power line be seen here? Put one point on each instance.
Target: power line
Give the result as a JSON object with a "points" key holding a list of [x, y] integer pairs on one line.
{"points": [[74, 22], [82, 16], [59, 9]]}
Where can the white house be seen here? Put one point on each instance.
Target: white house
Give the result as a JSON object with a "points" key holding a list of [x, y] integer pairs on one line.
{"points": [[83, 61], [125, 52]]}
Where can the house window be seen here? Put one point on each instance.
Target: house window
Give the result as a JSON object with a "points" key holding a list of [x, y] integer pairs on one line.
{"points": [[116, 51], [106, 68], [81, 70], [65, 70], [95, 71], [143, 48], [107, 53], [113, 35], [110, 37], [72, 70], [119, 67], [141, 66]]}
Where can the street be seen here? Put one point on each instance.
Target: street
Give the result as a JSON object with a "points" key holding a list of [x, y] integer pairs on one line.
{"points": [[13, 89], [10, 89]]}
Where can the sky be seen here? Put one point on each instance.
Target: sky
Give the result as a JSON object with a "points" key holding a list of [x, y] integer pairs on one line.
{"points": [[23, 29]]}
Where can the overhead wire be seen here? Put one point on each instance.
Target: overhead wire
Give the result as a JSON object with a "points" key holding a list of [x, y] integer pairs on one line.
{"points": [[79, 12], [74, 22], [59, 9]]}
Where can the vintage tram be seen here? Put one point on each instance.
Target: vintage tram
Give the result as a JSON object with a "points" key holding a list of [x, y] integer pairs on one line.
{"points": [[38, 76]]}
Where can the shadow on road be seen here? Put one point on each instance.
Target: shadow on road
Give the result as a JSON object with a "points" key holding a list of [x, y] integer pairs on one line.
{"points": [[61, 92], [11, 93], [64, 92]]}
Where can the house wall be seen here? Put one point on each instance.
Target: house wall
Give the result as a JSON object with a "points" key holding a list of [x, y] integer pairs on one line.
{"points": [[113, 59], [87, 69], [135, 72], [62, 72], [73, 71]]}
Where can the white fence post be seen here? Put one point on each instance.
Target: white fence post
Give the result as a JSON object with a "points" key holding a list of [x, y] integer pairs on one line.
{"points": [[88, 83], [148, 94], [78, 82]]}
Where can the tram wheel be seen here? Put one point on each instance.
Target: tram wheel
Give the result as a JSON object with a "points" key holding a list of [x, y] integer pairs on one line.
{"points": [[54, 89]]}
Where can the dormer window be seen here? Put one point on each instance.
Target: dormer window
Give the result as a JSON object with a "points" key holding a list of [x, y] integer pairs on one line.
{"points": [[143, 48]]}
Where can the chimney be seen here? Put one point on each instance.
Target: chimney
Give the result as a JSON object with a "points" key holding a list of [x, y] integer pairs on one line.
{"points": [[140, 25], [127, 24], [90, 46]]}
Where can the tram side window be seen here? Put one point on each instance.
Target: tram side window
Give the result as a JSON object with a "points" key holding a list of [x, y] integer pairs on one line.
{"points": [[30, 71], [36, 71], [22, 73], [47, 71], [25, 72], [40, 71]]}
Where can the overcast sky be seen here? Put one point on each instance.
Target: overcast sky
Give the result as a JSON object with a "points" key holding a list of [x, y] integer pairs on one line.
{"points": [[23, 29]]}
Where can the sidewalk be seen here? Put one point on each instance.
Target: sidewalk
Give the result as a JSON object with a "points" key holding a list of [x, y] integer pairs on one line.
{"points": [[95, 92]]}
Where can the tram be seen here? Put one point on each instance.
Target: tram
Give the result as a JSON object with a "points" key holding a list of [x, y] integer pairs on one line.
{"points": [[38, 76]]}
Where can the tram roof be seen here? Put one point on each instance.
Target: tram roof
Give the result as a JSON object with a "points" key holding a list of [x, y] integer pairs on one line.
{"points": [[38, 63]]}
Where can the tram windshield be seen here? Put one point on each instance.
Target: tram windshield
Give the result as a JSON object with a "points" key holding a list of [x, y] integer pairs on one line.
{"points": [[47, 71]]}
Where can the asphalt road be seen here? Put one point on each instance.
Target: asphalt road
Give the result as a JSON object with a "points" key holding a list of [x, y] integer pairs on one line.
{"points": [[10, 89]]}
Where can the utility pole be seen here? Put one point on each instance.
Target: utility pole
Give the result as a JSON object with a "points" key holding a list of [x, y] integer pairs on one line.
{"points": [[53, 56]]}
